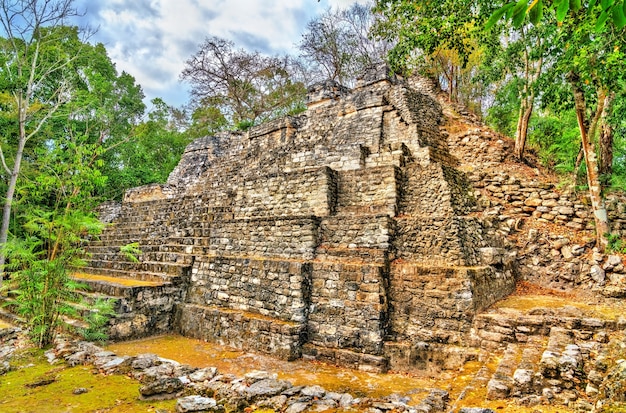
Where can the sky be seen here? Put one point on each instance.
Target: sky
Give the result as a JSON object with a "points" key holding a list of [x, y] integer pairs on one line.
{"points": [[152, 39]]}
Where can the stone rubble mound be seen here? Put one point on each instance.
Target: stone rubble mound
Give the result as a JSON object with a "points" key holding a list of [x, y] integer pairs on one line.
{"points": [[205, 389]]}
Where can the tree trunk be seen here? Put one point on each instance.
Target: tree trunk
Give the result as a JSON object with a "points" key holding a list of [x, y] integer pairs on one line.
{"points": [[525, 111], [591, 162], [8, 202], [606, 141], [579, 160], [527, 100]]}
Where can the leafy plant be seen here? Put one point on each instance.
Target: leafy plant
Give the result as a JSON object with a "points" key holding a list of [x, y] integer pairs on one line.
{"points": [[100, 312], [40, 265], [244, 125], [52, 224], [131, 251], [615, 243]]}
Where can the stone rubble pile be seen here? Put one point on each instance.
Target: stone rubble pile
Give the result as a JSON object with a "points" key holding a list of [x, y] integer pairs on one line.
{"points": [[579, 366], [542, 222], [208, 390]]}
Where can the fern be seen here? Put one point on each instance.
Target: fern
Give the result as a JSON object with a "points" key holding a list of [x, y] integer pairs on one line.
{"points": [[100, 313], [131, 251], [615, 244]]}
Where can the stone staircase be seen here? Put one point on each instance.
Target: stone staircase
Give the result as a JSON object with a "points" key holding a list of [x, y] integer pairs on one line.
{"points": [[540, 356], [144, 292]]}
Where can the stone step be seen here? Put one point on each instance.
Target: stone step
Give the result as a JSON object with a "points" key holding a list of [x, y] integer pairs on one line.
{"points": [[124, 237], [476, 386], [8, 311], [562, 356], [346, 357], [495, 328], [186, 241], [241, 329], [432, 358], [501, 383], [73, 324], [352, 255], [89, 298], [131, 275], [165, 267], [396, 158], [554, 368], [118, 286], [99, 251], [173, 258]]}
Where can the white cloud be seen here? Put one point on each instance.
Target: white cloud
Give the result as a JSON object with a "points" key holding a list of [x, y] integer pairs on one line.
{"points": [[152, 39]]}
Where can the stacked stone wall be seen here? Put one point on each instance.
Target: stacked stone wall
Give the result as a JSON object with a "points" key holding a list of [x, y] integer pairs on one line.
{"points": [[293, 194], [241, 330], [438, 304], [142, 311], [347, 232], [439, 241], [434, 190], [109, 211], [278, 289], [288, 237], [348, 307], [368, 191], [545, 201]]}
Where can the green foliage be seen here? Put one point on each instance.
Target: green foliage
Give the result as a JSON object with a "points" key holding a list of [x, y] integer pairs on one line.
{"points": [[556, 140], [148, 156], [40, 264], [131, 251], [600, 12], [206, 120], [52, 224], [615, 244], [244, 125], [297, 109], [421, 29], [100, 312], [503, 113]]}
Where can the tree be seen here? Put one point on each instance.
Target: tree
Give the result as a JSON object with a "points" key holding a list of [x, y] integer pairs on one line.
{"points": [[61, 170], [533, 41], [599, 12], [55, 220], [420, 29], [443, 40], [152, 153], [338, 44], [593, 63], [244, 87], [34, 77], [447, 39]]}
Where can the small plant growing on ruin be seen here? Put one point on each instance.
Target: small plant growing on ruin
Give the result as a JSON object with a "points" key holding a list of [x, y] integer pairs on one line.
{"points": [[40, 264], [131, 251], [244, 125], [100, 312], [615, 244]]}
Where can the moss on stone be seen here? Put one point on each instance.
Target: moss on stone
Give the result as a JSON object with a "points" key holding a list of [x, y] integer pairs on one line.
{"points": [[23, 390]]}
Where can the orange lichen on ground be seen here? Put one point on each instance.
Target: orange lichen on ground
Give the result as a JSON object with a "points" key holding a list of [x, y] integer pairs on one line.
{"points": [[465, 390], [528, 288], [127, 282], [529, 296]]}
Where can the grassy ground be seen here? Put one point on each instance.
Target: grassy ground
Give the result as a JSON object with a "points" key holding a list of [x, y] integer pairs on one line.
{"points": [[37, 386]]}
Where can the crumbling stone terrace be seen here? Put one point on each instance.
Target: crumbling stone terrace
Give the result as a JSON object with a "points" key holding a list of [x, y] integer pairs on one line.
{"points": [[343, 234]]}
